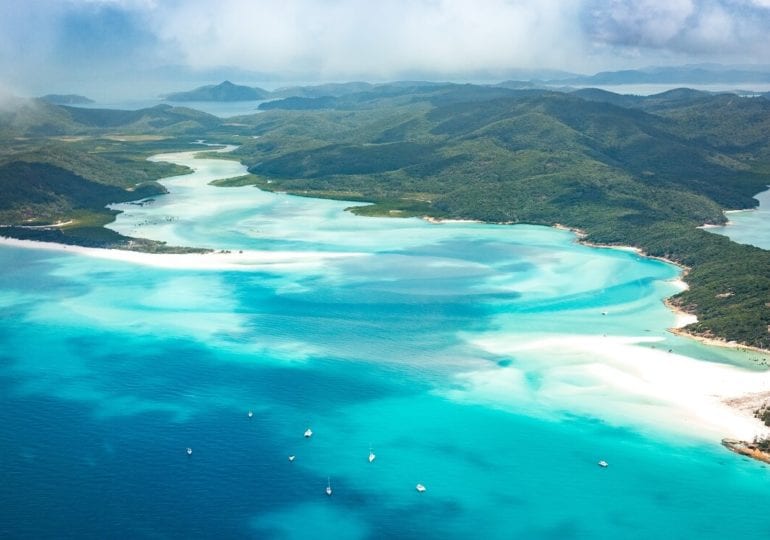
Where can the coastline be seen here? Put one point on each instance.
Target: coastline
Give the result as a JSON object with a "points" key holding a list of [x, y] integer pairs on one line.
{"points": [[245, 260], [684, 318], [242, 260], [744, 403], [439, 221], [624, 382], [712, 401]]}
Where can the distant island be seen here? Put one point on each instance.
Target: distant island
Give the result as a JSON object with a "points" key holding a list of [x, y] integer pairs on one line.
{"points": [[225, 91], [700, 74], [67, 99], [228, 91]]}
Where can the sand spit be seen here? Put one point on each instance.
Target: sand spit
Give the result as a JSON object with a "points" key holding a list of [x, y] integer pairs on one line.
{"points": [[625, 381], [216, 260]]}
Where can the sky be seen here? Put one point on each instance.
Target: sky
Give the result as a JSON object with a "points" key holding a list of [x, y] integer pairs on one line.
{"points": [[67, 45]]}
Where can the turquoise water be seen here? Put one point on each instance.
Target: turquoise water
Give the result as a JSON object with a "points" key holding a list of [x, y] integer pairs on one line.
{"points": [[452, 350], [749, 226]]}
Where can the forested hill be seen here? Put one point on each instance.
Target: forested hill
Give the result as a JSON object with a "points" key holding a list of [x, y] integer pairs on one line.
{"points": [[225, 91], [643, 171], [62, 164], [39, 118]]}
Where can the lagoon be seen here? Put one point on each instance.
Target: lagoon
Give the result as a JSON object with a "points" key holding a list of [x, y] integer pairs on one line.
{"points": [[493, 364]]}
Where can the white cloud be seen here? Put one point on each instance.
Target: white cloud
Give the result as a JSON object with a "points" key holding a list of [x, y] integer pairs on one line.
{"points": [[694, 30], [646, 22], [345, 37], [56, 42]]}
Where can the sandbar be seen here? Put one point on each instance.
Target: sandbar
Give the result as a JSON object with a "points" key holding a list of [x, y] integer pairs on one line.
{"points": [[215, 260]]}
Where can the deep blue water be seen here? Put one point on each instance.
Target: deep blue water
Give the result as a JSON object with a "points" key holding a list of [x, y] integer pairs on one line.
{"points": [[110, 370]]}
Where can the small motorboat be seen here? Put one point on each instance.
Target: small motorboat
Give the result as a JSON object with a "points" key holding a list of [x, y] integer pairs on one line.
{"points": [[603, 464], [328, 487], [372, 457], [308, 433], [420, 488], [292, 457], [189, 451], [250, 414]]}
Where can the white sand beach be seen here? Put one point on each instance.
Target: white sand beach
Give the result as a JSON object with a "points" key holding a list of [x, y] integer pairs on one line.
{"points": [[624, 381], [215, 260]]}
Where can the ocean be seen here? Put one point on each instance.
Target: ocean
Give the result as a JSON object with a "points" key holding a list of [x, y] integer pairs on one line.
{"points": [[495, 365]]}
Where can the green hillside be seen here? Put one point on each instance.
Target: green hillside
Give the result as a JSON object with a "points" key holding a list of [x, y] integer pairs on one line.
{"points": [[39, 118], [626, 170], [63, 164], [225, 91], [630, 170]]}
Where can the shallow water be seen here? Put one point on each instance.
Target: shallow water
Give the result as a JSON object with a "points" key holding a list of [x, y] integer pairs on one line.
{"points": [[749, 226], [452, 350]]}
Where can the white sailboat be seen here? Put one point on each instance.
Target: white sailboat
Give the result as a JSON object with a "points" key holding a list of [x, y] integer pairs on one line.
{"points": [[189, 451], [328, 487], [308, 433]]}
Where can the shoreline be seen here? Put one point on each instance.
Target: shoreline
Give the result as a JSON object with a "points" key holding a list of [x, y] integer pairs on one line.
{"points": [[244, 260], [439, 221], [716, 342], [681, 314], [225, 260], [745, 448], [623, 382], [714, 401]]}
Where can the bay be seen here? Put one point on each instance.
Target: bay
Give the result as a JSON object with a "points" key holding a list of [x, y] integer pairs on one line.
{"points": [[749, 226], [494, 364]]}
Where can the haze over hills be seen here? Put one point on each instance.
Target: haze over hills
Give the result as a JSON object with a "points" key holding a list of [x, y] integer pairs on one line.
{"points": [[227, 91], [30, 117], [66, 99], [702, 74]]}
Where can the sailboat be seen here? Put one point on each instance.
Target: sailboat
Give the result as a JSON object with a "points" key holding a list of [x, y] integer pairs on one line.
{"points": [[308, 433], [328, 487], [371, 454]]}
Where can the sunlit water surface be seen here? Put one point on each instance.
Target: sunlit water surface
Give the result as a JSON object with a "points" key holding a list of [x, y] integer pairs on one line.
{"points": [[393, 338]]}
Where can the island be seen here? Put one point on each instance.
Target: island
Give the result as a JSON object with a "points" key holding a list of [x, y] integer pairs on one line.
{"points": [[225, 91], [646, 172], [67, 99]]}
